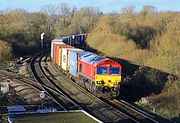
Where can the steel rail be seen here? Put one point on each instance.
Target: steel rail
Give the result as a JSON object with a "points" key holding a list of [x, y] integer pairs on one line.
{"points": [[57, 89], [89, 94], [36, 77]]}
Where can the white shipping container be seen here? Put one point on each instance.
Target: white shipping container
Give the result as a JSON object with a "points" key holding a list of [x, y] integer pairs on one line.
{"points": [[52, 44], [65, 57]]}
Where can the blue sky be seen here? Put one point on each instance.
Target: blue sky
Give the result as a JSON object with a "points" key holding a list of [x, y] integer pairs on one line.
{"points": [[104, 5]]}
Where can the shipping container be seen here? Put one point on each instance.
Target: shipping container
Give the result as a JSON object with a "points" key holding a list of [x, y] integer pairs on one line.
{"points": [[58, 39], [68, 40], [73, 61], [65, 57], [65, 39], [60, 53], [73, 40], [83, 38], [55, 57], [56, 53], [79, 39], [52, 46]]}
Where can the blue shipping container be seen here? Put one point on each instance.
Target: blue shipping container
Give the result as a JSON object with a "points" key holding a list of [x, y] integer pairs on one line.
{"points": [[73, 62], [79, 39]]}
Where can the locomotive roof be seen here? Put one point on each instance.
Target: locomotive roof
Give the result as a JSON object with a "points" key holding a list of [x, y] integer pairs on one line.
{"points": [[93, 59], [85, 53]]}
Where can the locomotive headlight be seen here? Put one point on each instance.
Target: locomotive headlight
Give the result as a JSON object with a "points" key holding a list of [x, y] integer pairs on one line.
{"points": [[116, 83], [100, 82]]}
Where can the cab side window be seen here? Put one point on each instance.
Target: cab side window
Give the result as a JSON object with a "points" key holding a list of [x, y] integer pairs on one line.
{"points": [[80, 67]]}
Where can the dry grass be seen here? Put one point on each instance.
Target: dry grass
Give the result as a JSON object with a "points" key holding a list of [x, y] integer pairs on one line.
{"points": [[114, 37], [167, 103]]}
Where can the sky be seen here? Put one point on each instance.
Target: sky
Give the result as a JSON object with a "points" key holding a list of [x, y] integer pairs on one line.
{"points": [[105, 6]]}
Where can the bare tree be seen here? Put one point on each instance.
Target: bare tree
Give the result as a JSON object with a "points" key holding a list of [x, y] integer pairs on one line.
{"points": [[64, 11], [147, 9], [51, 10], [74, 10], [89, 11], [128, 9], [85, 19]]}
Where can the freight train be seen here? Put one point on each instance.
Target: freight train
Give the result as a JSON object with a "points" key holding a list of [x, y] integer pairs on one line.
{"points": [[100, 75]]}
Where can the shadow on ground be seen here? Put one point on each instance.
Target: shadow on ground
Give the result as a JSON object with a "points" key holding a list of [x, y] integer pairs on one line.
{"points": [[139, 81], [176, 119], [144, 82]]}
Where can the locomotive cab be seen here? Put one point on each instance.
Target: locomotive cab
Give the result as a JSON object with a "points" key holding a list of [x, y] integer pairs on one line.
{"points": [[108, 77], [103, 74]]}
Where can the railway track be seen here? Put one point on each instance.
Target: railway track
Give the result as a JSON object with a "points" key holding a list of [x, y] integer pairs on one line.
{"points": [[20, 79], [89, 103], [25, 84], [105, 110], [105, 114], [37, 72], [136, 114], [45, 71], [28, 82]]}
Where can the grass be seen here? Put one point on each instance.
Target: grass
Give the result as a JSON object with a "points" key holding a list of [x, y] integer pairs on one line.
{"points": [[66, 117], [118, 36]]}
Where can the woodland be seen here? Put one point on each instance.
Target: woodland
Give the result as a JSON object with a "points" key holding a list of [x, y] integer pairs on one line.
{"points": [[148, 38]]}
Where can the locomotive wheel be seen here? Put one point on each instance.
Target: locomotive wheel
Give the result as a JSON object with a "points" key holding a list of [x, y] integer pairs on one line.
{"points": [[115, 94], [118, 93], [93, 88], [84, 82]]}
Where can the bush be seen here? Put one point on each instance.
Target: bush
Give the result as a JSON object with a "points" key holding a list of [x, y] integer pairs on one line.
{"points": [[153, 42], [5, 51]]}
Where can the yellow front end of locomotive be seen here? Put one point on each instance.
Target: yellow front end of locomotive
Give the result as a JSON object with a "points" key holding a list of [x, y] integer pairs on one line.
{"points": [[108, 80]]}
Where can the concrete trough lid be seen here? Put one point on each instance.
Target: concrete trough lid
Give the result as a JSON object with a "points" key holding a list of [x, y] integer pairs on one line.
{"points": [[16, 108], [46, 110]]}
